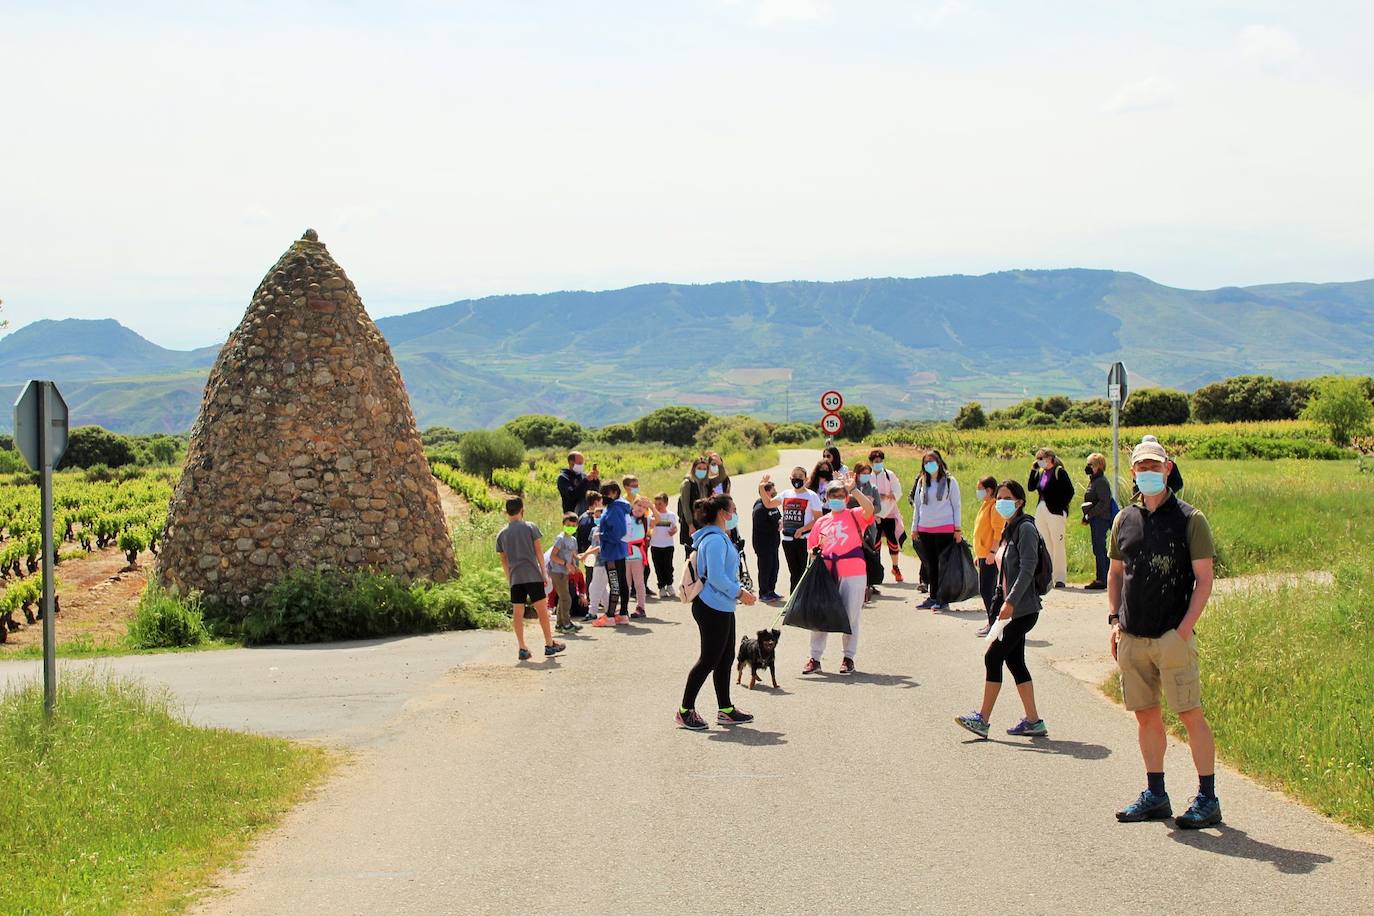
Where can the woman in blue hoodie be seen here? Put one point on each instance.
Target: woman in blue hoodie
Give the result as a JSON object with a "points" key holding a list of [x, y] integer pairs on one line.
{"points": [[613, 526], [717, 563]]}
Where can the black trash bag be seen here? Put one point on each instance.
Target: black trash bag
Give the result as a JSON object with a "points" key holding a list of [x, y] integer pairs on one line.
{"points": [[873, 558], [958, 575], [815, 603]]}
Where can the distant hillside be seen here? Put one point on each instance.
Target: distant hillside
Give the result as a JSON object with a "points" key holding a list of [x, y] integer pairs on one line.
{"points": [[905, 347]]}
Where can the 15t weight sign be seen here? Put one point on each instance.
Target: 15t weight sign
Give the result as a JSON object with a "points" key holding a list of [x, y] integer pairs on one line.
{"points": [[832, 424], [832, 401]]}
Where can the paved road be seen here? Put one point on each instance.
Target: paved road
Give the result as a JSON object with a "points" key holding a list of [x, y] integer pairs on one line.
{"points": [[562, 787]]}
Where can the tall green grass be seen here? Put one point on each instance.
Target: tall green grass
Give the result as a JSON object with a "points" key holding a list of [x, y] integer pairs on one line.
{"points": [[1288, 686], [118, 805]]}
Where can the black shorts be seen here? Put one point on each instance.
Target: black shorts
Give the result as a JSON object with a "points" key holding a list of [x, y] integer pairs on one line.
{"points": [[530, 593]]}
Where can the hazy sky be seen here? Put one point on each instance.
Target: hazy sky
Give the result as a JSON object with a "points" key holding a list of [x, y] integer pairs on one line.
{"points": [[155, 161]]}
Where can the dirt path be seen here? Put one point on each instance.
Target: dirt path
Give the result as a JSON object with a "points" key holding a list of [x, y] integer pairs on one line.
{"points": [[97, 595]]}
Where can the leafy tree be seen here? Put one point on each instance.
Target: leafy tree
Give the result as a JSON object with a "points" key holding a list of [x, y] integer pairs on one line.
{"points": [[970, 416], [1090, 412], [751, 433], [1155, 407], [858, 422], [1056, 404], [1248, 397], [793, 433], [617, 433], [541, 431], [1339, 403], [675, 425], [1042, 419], [92, 445], [440, 435], [484, 450]]}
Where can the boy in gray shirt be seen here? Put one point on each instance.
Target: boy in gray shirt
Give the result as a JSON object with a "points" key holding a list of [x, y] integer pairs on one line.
{"points": [[562, 562], [522, 558]]}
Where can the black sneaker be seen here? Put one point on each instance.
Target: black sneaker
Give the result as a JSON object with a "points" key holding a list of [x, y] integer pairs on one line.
{"points": [[1203, 812], [554, 649], [1148, 807], [735, 716], [690, 721]]}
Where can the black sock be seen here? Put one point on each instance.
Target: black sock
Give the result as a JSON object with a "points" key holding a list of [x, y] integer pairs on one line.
{"points": [[1207, 786], [1156, 782]]}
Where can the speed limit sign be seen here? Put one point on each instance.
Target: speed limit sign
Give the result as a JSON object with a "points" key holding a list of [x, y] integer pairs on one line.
{"points": [[832, 401], [831, 424]]}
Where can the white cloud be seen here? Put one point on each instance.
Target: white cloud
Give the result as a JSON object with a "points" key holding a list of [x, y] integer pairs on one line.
{"points": [[1142, 95], [939, 14], [778, 12], [1269, 46]]}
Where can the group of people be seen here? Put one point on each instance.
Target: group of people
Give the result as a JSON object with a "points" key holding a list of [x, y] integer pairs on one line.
{"points": [[1153, 558]]}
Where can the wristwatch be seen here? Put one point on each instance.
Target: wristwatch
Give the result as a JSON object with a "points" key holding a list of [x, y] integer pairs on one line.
{"points": [[1113, 619]]}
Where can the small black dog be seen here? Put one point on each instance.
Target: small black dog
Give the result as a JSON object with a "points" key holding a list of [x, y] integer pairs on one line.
{"points": [[758, 654]]}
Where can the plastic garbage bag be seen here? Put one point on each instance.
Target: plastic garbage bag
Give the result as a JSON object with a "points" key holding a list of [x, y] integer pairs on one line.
{"points": [[958, 575], [815, 603]]}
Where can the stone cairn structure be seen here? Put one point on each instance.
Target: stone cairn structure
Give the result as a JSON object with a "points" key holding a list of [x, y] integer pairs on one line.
{"points": [[305, 454]]}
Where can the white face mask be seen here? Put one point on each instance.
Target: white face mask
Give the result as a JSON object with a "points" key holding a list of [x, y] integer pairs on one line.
{"points": [[577, 468], [715, 470]]}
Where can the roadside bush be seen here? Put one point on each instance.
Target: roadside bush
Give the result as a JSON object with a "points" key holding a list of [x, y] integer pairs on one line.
{"points": [[326, 606], [1090, 412], [617, 433], [858, 422], [11, 462], [164, 621], [484, 450], [1249, 398], [542, 430], [91, 445], [675, 425], [748, 433], [99, 473], [793, 433], [1339, 404], [1155, 407], [971, 416], [477, 600], [1239, 447]]}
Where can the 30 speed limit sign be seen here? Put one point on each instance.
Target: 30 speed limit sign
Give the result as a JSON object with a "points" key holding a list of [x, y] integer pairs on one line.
{"points": [[831, 424], [832, 401]]}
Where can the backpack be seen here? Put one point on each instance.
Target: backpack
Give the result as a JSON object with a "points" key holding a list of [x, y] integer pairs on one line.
{"points": [[1044, 564], [692, 579]]}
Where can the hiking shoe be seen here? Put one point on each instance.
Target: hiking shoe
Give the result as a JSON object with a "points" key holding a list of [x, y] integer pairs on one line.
{"points": [[896, 574], [589, 617], [638, 613], [811, 666], [621, 620], [983, 631], [735, 716], [1061, 585], [1095, 587], [667, 591], [975, 723], [1203, 812], [1028, 729], [847, 666], [554, 649], [1148, 807], [603, 621], [690, 721], [525, 655], [927, 604]]}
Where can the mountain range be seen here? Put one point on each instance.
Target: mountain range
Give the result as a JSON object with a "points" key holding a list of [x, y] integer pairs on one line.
{"points": [[905, 347]]}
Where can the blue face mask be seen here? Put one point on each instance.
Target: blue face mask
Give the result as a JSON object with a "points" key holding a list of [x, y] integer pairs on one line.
{"points": [[634, 491], [931, 467], [835, 505], [1151, 483], [865, 478], [732, 522], [1006, 507], [879, 468], [700, 475], [981, 494]]}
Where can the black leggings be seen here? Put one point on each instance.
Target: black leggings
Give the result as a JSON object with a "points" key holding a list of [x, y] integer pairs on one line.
{"points": [[987, 586], [717, 631], [794, 551], [933, 544], [767, 557], [1011, 649], [620, 588]]}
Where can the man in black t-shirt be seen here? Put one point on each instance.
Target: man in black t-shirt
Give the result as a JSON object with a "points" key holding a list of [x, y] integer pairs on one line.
{"points": [[767, 538]]}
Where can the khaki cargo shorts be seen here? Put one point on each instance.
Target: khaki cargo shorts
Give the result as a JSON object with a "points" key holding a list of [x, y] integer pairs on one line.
{"points": [[1147, 665]]}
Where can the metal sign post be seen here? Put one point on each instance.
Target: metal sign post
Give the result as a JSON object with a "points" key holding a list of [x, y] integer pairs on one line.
{"points": [[40, 434], [1116, 393]]}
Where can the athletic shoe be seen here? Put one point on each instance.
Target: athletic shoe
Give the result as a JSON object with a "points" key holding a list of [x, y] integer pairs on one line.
{"points": [[937, 607], [668, 592], [1061, 585], [621, 620], [983, 631], [974, 722], [690, 721], [922, 587], [589, 617], [927, 604], [525, 655], [554, 649], [847, 666], [1203, 812], [638, 613], [1095, 587], [811, 667], [896, 574], [603, 621], [735, 716], [1028, 729], [1148, 807], [649, 593]]}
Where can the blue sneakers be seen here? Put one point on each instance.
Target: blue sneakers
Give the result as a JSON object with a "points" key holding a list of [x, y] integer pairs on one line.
{"points": [[1029, 729], [974, 722], [1148, 807], [1203, 812]]}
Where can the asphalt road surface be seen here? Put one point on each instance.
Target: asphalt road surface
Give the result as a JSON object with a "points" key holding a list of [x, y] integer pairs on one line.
{"points": [[562, 786]]}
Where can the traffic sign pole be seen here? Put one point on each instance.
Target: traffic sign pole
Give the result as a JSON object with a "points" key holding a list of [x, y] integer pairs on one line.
{"points": [[45, 399], [1116, 393]]}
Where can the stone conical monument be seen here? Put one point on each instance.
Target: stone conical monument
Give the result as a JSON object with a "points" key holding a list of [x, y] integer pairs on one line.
{"points": [[305, 454]]}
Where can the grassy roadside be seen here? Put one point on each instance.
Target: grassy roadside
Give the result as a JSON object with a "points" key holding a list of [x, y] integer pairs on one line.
{"points": [[123, 806], [1288, 683]]}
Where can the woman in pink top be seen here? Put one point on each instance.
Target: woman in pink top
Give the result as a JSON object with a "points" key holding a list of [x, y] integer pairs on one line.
{"points": [[839, 536]]}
